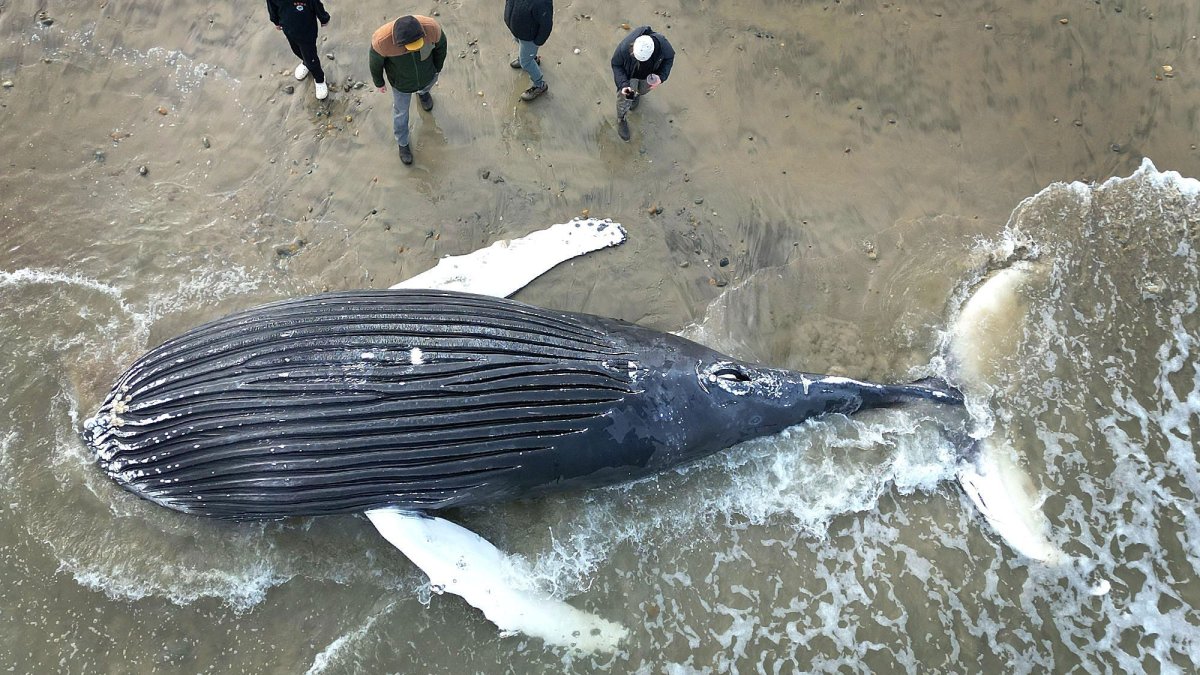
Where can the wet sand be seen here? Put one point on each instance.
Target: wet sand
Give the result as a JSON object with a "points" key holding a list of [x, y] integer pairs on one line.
{"points": [[841, 157], [812, 133]]}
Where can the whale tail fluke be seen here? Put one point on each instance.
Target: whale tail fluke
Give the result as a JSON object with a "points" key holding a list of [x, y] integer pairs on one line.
{"points": [[983, 339]]}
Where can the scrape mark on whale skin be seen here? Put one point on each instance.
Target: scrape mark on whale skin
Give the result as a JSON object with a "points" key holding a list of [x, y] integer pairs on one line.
{"points": [[834, 379]]}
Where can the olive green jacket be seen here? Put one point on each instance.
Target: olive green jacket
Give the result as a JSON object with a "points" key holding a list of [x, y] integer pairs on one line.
{"points": [[410, 71]]}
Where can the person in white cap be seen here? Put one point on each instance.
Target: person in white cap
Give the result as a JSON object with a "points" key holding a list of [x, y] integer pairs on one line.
{"points": [[298, 21], [641, 62]]}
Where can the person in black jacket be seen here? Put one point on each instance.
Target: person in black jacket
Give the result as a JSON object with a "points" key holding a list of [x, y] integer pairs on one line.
{"points": [[530, 22], [298, 21], [641, 62]]}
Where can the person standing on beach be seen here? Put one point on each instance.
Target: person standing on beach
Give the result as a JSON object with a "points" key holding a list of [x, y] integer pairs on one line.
{"points": [[641, 62], [530, 22], [411, 50], [298, 21]]}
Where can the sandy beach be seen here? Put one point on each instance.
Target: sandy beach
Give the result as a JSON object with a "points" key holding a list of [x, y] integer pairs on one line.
{"points": [[788, 131], [811, 178]]}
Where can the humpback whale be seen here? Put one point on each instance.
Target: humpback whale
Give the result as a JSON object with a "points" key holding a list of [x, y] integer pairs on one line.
{"points": [[441, 393], [427, 400]]}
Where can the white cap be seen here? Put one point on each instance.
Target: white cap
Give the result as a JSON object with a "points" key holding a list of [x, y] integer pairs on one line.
{"points": [[643, 47]]}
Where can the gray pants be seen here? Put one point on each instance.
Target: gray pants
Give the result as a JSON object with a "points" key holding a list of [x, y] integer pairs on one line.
{"points": [[624, 105], [400, 103]]}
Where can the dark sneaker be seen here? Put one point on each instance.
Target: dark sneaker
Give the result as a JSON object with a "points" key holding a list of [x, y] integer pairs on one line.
{"points": [[516, 63], [426, 101], [534, 92], [406, 154]]}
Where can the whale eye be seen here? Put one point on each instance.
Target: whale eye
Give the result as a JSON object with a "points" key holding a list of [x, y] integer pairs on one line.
{"points": [[730, 374]]}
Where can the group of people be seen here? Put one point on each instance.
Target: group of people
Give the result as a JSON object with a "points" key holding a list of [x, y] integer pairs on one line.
{"points": [[410, 52]]}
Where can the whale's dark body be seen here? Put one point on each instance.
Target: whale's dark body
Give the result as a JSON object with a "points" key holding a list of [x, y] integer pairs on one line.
{"points": [[425, 400]]}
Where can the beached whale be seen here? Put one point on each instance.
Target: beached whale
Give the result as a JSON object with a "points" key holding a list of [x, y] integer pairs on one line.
{"points": [[404, 402], [427, 400]]}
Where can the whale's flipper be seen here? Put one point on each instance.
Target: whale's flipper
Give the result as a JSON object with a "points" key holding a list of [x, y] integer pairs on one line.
{"points": [[461, 562], [506, 266], [984, 334], [456, 559]]}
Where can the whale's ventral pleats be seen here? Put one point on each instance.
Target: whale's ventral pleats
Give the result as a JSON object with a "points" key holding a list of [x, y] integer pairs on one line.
{"points": [[346, 401]]}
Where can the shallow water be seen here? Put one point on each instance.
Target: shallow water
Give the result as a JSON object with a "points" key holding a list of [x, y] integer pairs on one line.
{"points": [[839, 545]]}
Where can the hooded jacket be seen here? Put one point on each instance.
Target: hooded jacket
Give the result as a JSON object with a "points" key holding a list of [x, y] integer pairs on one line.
{"points": [[297, 17], [530, 20], [407, 71], [626, 68]]}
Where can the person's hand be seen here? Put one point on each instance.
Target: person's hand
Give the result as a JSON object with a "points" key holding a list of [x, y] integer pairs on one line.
{"points": [[627, 91], [382, 90], [278, 27], [326, 22], [653, 80]]}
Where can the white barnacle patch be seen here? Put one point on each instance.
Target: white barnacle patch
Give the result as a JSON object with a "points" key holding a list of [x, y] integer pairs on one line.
{"points": [[635, 371], [416, 356], [771, 384]]}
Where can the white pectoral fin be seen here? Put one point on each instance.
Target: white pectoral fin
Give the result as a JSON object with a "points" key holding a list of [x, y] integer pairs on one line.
{"points": [[507, 266], [461, 562]]}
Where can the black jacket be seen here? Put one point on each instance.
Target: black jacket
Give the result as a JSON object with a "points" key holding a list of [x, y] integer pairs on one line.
{"points": [[530, 20], [626, 68], [297, 17]]}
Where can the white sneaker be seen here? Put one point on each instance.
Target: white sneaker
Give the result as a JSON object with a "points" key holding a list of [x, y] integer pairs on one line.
{"points": [[301, 71], [322, 91]]}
